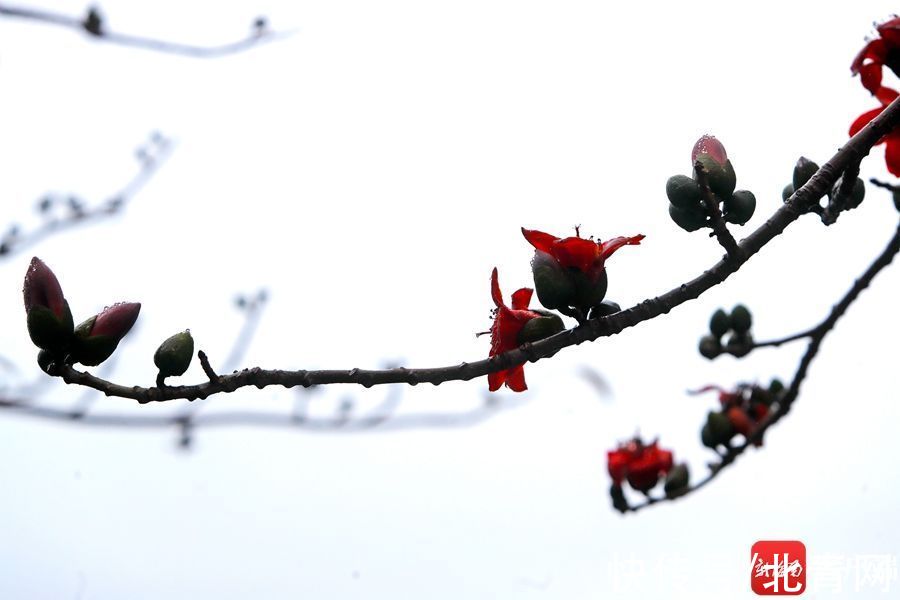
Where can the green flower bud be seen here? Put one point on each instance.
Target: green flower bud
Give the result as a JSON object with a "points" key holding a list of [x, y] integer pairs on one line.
{"points": [[739, 344], [604, 309], [776, 388], [677, 480], [803, 171], [542, 327], [706, 437], [710, 346], [741, 319], [173, 357], [690, 219], [787, 192], [719, 323], [554, 287], [720, 428], [857, 194], [590, 289], [48, 331], [739, 207], [683, 192], [45, 358]]}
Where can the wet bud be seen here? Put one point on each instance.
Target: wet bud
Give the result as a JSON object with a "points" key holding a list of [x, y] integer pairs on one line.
{"points": [[542, 327], [710, 346], [787, 192], [741, 319], [683, 192], [97, 337], [719, 323], [554, 286], [604, 309], [720, 428], [711, 155], [677, 480], [618, 498], [740, 207], [690, 219], [739, 344], [45, 358], [173, 357], [803, 171], [47, 312]]}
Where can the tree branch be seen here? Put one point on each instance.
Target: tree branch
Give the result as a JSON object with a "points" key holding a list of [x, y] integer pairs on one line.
{"points": [[784, 403], [93, 25]]}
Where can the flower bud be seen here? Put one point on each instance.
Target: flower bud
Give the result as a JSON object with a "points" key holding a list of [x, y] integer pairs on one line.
{"points": [[97, 337], [720, 427], [688, 219], [45, 358], [803, 171], [47, 312], [719, 323], [776, 388], [541, 327], [604, 309], [683, 192], [677, 480], [740, 207], [739, 344], [554, 287], [173, 357], [711, 155], [741, 319], [710, 346], [787, 192]]}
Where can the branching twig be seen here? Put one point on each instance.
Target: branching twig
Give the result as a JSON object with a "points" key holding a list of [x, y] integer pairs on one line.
{"points": [[79, 214], [785, 340], [92, 24], [719, 228], [784, 403]]}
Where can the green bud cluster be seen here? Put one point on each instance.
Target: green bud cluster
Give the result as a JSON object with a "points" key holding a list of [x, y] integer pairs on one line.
{"points": [[739, 343], [803, 172]]}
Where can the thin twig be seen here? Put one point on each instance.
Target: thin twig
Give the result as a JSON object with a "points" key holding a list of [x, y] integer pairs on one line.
{"points": [[719, 228], [785, 340], [92, 24]]}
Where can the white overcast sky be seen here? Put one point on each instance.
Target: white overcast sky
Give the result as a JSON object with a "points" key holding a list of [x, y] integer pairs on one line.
{"points": [[370, 171]]}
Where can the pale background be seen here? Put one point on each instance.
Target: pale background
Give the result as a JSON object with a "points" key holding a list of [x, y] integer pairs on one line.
{"points": [[370, 171]]}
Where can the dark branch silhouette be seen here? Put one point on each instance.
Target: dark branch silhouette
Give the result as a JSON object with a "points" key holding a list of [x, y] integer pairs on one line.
{"points": [[782, 406], [94, 25], [798, 204]]}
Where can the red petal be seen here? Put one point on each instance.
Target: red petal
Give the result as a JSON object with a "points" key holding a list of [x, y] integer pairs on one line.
{"points": [[890, 31], [876, 51], [515, 379], [610, 246], [863, 120], [870, 76], [495, 380], [540, 240], [576, 252], [495, 289], [892, 154], [521, 299], [886, 95]]}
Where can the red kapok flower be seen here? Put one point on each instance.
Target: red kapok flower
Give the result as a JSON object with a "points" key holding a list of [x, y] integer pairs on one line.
{"points": [[570, 271], [641, 465], [508, 323], [878, 53], [891, 140]]}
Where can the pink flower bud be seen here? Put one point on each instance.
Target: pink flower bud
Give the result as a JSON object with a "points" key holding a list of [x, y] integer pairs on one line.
{"points": [[117, 320], [42, 289], [708, 144]]}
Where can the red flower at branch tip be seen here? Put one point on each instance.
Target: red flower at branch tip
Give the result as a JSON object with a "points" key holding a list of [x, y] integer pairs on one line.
{"points": [[878, 53], [891, 140], [577, 252], [508, 323], [642, 465]]}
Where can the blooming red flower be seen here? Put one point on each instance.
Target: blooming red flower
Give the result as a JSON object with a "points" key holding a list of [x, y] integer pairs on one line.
{"points": [[508, 323], [642, 465], [891, 140], [878, 53], [576, 252]]}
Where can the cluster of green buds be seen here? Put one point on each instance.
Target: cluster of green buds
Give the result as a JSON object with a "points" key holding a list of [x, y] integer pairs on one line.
{"points": [[740, 412], [739, 343], [713, 182], [803, 172]]}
